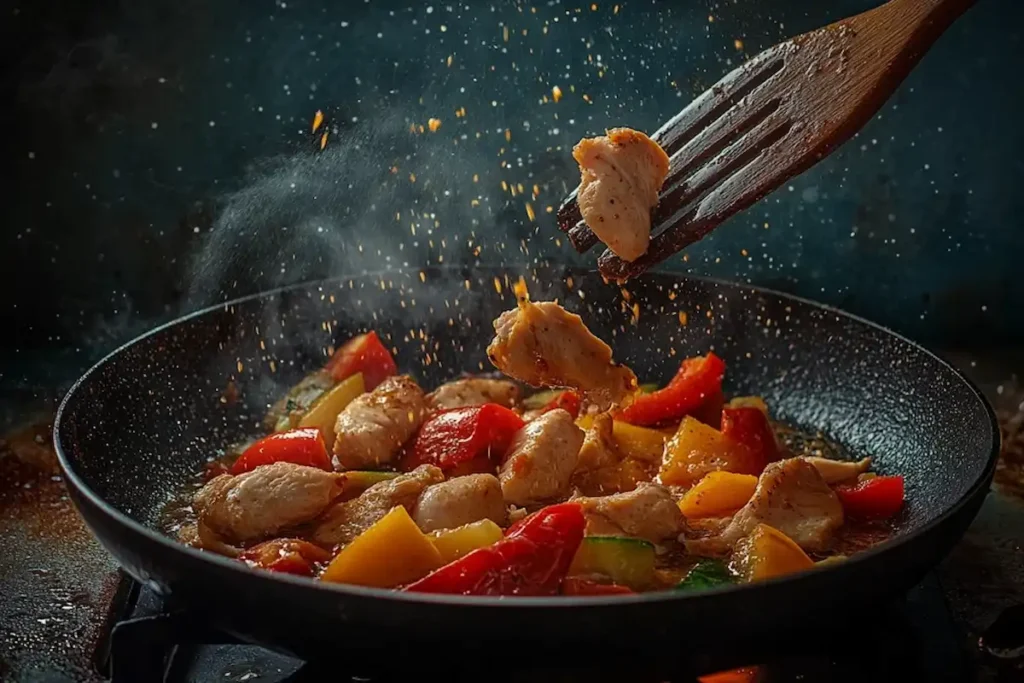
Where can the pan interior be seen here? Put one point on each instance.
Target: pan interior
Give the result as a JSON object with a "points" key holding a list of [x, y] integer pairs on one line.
{"points": [[146, 418]]}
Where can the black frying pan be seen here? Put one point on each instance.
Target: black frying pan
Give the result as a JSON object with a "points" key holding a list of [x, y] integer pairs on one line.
{"points": [[137, 425]]}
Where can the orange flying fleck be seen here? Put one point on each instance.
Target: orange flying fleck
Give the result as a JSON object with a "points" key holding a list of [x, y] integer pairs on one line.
{"points": [[434, 125], [318, 119], [556, 93]]}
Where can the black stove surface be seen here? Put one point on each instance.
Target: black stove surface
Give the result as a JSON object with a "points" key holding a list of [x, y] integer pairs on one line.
{"points": [[913, 639]]}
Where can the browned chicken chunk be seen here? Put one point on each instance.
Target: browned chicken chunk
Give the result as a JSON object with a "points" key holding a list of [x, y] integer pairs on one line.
{"points": [[791, 496], [260, 503], [541, 459], [621, 174], [648, 512], [459, 501], [473, 391], [602, 469], [346, 520], [835, 471], [544, 345], [372, 428]]}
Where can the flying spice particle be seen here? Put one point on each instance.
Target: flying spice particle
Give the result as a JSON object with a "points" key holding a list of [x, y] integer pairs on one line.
{"points": [[476, 177], [323, 141], [434, 125], [682, 317], [615, 10], [318, 119], [522, 293], [556, 93], [497, 285], [738, 44], [529, 212], [508, 135], [412, 177], [504, 34], [449, 60], [549, 209], [636, 312]]}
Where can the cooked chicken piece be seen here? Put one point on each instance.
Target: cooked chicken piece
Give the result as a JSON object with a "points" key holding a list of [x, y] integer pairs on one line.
{"points": [[260, 503], [541, 459], [648, 511], [199, 536], [372, 428], [620, 177], [286, 413], [601, 468], [791, 496], [835, 471], [544, 345], [474, 391], [599, 449], [346, 520], [459, 501]]}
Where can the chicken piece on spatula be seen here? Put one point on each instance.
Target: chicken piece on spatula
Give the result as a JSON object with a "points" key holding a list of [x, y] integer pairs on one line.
{"points": [[621, 174], [544, 345], [765, 122]]}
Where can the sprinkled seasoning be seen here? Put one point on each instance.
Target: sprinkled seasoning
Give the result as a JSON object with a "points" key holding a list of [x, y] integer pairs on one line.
{"points": [[318, 119], [529, 212], [434, 125], [556, 93]]}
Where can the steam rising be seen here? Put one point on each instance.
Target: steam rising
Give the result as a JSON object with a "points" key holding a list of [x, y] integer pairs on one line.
{"points": [[378, 197]]}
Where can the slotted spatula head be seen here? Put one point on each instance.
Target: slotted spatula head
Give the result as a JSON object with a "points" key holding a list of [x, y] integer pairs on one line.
{"points": [[771, 119]]}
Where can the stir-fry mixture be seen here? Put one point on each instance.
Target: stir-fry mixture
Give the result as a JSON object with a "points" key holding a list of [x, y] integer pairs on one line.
{"points": [[593, 486]]}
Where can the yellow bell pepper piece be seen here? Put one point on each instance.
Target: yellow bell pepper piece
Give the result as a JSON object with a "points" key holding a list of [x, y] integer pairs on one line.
{"points": [[390, 553], [632, 441], [717, 494], [695, 450], [455, 543], [585, 422], [767, 553], [639, 442], [324, 411]]}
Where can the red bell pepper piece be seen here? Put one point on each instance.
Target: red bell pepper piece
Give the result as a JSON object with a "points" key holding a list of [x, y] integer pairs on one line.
{"points": [[875, 498], [453, 437], [365, 354], [574, 585], [710, 412], [532, 560], [288, 555], [698, 380], [749, 427], [568, 401], [299, 446]]}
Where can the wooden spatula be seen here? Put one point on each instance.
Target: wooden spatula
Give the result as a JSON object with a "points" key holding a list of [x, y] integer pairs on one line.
{"points": [[772, 118]]}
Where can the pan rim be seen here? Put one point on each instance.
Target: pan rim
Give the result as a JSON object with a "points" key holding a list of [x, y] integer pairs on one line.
{"points": [[72, 478]]}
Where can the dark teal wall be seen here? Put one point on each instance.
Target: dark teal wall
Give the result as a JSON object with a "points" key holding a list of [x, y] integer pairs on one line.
{"points": [[161, 156]]}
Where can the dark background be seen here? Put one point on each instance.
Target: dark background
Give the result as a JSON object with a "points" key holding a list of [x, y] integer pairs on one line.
{"points": [[160, 158]]}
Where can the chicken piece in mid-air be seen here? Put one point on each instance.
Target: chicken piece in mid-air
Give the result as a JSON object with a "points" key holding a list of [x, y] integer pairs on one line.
{"points": [[260, 503], [473, 391], [544, 345], [541, 459], [372, 428], [461, 500], [649, 511], [621, 174], [347, 519], [793, 497]]}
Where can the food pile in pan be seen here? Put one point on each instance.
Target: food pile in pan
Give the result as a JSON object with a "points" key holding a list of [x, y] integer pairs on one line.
{"points": [[594, 485]]}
